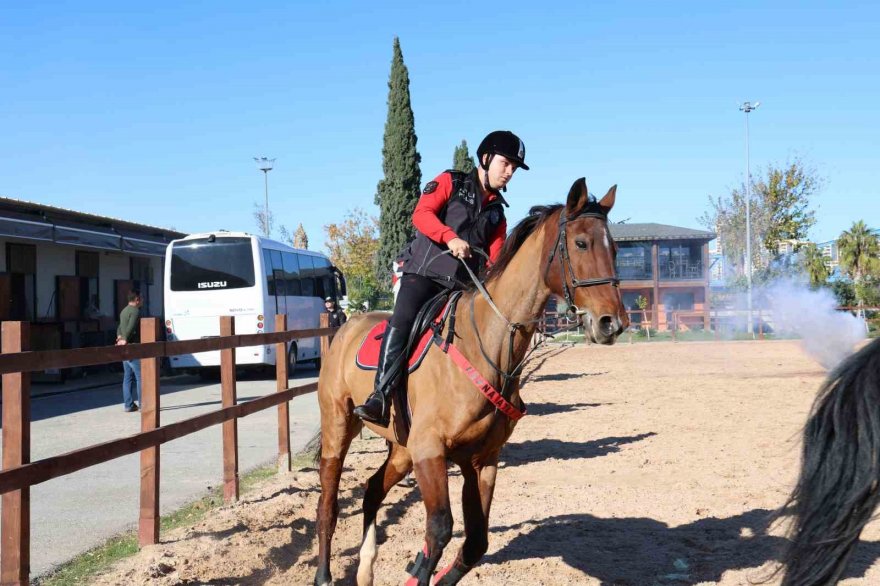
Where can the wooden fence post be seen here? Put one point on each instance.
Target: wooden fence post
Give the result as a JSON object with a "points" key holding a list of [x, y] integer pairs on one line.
{"points": [[148, 527], [230, 428], [15, 523], [325, 340], [282, 380]]}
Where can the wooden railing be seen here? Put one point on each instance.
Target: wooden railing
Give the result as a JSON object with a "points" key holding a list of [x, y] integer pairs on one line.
{"points": [[19, 473]]}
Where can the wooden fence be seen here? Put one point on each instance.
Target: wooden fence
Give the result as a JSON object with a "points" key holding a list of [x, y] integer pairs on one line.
{"points": [[19, 473]]}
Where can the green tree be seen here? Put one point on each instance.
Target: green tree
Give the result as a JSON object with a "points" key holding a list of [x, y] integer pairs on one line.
{"points": [[859, 256], [813, 263], [780, 210], [785, 197], [462, 159], [844, 292], [398, 192], [352, 245]]}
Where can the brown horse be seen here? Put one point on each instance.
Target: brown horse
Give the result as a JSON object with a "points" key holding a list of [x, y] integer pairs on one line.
{"points": [[564, 250]]}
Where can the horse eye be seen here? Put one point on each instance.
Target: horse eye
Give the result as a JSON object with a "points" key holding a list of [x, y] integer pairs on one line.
{"points": [[580, 244]]}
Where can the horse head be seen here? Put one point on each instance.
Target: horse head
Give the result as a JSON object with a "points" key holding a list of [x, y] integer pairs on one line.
{"points": [[581, 266]]}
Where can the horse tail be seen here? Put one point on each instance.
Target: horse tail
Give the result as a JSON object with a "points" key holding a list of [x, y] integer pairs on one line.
{"points": [[837, 491], [313, 448]]}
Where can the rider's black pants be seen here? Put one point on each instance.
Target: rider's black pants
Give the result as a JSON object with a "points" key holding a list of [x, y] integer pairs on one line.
{"points": [[415, 291]]}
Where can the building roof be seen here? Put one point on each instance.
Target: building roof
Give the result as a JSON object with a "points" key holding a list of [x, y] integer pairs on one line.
{"points": [[35, 221], [652, 231]]}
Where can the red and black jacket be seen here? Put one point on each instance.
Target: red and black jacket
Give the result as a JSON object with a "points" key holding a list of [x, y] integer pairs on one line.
{"points": [[452, 206]]}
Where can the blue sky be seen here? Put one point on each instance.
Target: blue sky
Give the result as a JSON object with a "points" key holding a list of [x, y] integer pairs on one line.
{"points": [[152, 111]]}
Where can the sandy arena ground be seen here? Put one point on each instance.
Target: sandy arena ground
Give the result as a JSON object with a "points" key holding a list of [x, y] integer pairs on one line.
{"points": [[638, 465]]}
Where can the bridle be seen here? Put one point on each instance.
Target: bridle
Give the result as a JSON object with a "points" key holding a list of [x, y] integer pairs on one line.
{"points": [[593, 210]]}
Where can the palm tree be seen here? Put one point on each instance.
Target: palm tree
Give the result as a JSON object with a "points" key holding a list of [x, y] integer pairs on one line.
{"points": [[814, 263], [859, 253]]}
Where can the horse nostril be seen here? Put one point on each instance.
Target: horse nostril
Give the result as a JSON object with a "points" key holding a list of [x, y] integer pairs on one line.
{"points": [[608, 325]]}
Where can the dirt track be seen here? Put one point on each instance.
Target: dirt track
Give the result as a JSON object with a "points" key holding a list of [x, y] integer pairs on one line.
{"points": [[638, 465]]}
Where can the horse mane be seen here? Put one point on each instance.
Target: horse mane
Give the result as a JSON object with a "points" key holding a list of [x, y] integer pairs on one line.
{"points": [[537, 216]]}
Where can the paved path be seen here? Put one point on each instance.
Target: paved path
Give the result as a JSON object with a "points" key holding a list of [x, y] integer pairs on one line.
{"points": [[76, 512]]}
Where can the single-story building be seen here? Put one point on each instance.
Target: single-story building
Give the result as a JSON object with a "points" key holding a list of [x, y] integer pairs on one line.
{"points": [[69, 272]]}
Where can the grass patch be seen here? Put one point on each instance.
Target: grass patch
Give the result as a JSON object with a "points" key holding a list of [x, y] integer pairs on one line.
{"points": [[82, 568]]}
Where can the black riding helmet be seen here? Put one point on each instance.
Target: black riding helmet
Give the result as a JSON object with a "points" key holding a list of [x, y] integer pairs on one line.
{"points": [[505, 143]]}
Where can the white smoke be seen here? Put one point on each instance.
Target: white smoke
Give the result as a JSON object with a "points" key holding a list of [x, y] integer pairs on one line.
{"points": [[827, 335]]}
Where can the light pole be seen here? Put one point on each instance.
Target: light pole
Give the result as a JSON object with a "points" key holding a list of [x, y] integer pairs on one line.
{"points": [[747, 107], [265, 165]]}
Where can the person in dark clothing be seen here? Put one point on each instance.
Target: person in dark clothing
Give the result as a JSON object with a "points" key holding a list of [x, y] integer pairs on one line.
{"points": [[337, 316], [458, 212], [128, 332]]}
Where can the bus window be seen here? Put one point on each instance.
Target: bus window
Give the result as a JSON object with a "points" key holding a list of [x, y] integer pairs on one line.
{"points": [[212, 263], [270, 277], [280, 283], [270, 280], [291, 274], [307, 279], [323, 277]]}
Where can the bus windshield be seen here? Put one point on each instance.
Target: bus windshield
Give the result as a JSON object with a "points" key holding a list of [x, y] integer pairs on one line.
{"points": [[212, 263]]}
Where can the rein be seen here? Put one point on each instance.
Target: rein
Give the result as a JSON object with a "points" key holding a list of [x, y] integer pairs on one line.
{"points": [[561, 245], [514, 372]]}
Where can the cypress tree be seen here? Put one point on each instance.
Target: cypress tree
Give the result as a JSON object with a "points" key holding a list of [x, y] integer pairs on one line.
{"points": [[462, 159], [398, 192]]}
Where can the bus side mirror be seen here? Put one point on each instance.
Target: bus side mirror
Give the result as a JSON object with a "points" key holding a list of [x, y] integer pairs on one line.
{"points": [[340, 283]]}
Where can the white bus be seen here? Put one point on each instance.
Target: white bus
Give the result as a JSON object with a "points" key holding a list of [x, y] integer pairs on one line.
{"points": [[252, 278]]}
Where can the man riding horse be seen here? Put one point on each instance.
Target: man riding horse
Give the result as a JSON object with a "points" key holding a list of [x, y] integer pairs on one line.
{"points": [[457, 211]]}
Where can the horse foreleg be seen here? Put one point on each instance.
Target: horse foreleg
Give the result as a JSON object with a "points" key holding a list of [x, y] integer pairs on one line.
{"points": [[476, 500], [338, 428], [390, 473], [434, 486]]}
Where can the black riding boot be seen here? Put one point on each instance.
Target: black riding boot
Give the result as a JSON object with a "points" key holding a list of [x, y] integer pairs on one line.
{"points": [[388, 376]]}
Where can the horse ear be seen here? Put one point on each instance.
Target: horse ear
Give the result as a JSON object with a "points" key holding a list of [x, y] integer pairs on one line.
{"points": [[577, 197], [607, 202]]}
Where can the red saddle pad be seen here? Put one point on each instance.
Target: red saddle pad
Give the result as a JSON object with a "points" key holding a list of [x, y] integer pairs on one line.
{"points": [[368, 354]]}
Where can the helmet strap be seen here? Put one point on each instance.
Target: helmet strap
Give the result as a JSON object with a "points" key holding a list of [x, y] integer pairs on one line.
{"points": [[485, 167]]}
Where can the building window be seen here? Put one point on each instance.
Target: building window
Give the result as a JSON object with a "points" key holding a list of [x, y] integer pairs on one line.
{"points": [[142, 276], [87, 269], [21, 264]]}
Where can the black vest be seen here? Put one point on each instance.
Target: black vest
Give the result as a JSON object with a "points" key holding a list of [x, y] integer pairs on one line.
{"points": [[466, 216]]}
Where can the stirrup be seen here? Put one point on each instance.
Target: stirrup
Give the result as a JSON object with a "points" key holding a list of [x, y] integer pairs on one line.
{"points": [[384, 416]]}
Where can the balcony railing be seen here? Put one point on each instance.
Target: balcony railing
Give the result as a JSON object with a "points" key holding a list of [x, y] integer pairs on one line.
{"points": [[672, 271], [681, 271]]}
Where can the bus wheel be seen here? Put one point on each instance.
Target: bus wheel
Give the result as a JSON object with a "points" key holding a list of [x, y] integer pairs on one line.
{"points": [[291, 360]]}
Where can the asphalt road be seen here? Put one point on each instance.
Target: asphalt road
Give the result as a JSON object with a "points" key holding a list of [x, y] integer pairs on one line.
{"points": [[73, 513]]}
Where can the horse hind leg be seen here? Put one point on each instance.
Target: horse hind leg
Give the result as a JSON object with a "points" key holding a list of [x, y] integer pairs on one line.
{"points": [[392, 471], [338, 428]]}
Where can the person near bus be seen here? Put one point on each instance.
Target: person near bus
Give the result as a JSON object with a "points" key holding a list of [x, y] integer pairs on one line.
{"points": [[337, 316], [458, 212], [128, 332]]}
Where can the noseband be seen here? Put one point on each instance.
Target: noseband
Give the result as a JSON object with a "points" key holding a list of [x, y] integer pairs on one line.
{"points": [[591, 211]]}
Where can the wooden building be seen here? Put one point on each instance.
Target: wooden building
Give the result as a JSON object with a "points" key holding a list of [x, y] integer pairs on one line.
{"points": [[668, 266]]}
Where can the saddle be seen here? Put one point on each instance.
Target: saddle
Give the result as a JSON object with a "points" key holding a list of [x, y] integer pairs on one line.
{"points": [[432, 315], [432, 320], [429, 324]]}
